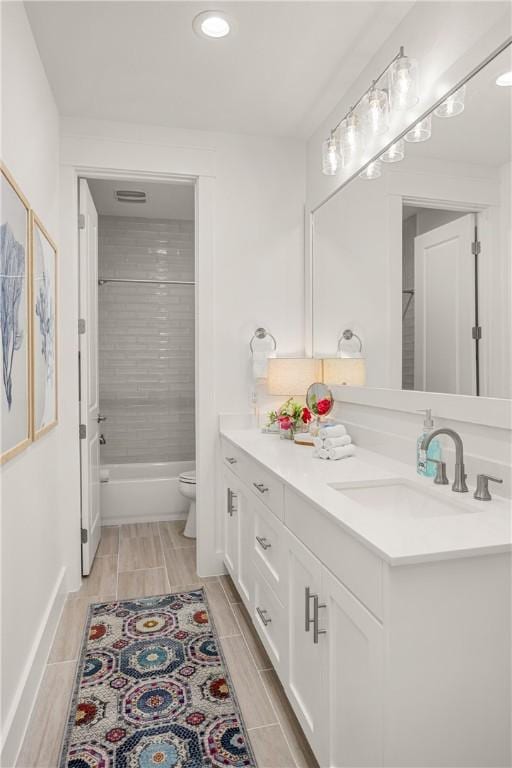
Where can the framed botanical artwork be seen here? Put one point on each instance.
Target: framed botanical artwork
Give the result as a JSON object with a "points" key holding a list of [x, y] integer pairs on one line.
{"points": [[44, 329], [15, 318]]}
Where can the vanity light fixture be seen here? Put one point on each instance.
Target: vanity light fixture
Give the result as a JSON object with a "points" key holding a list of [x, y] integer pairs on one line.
{"points": [[211, 24], [422, 131], [372, 171], [505, 80], [395, 153], [395, 88], [453, 105]]}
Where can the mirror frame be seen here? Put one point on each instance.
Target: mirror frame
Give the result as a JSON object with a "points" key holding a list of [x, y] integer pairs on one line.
{"points": [[488, 411]]}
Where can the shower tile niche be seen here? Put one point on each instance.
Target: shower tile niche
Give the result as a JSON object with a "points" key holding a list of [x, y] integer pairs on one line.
{"points": [[146, 340]]}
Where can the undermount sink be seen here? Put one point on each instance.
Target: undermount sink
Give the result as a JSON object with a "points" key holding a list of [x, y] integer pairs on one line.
{"points": [[398, 498]]}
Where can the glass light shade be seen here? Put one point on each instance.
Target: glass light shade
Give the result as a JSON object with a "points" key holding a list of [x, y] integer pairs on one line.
{"points": [[395, 153], [421, 131], [345, 371], [350, 138], [331, 158], [372, 171], [403, 81], [289, 376], [453, 105], [376, 111]]}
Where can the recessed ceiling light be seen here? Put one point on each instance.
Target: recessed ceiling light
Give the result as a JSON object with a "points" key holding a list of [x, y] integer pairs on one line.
{"points": [[505, 79], [212, 24]]}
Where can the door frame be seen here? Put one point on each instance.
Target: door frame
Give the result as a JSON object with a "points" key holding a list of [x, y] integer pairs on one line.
{"points": [[209, 561]]}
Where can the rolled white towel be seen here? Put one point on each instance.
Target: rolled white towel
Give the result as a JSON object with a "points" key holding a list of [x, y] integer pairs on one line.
{"points": [[342, 452], [320, 453], [337, 442], [318, 442], [337, 430]]}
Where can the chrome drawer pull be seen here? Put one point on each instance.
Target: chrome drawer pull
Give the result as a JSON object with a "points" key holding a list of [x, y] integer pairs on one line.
{"points": [[230, 460], [263, 542], [316, 631], [262, 488], [232, 498], [261, 613], [307, 616]]}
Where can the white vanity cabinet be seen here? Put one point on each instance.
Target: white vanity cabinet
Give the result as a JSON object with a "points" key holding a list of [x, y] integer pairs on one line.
{"points": [[404, 666]]}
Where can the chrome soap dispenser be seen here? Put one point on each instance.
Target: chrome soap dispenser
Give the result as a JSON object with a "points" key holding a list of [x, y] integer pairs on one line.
{"points": [[423, 465]]}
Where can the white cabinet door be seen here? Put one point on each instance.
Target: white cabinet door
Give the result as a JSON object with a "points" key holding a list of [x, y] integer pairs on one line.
{"points": [[352, 674], [245, 582], [305, 648], [231, 517]]}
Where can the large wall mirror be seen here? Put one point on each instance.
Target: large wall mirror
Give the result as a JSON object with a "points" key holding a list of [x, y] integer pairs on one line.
{"points": [[417, 261]]}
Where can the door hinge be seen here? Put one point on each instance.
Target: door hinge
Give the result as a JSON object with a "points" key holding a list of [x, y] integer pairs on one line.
{"points": [[476, 247], [476, 332], [85, 536], [81, 221], [81, 325], [83, 431]]}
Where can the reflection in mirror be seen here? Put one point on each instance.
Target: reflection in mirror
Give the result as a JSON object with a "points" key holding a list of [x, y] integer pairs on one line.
{"points": [[319, 399], [417, 261]]}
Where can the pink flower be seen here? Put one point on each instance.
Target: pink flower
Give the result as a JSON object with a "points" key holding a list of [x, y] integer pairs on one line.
{"points": [[285, 422], [306, 415], [323, 406]]}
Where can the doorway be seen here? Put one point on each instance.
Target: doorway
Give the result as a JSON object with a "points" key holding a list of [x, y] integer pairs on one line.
{"points": [[137, 352]]}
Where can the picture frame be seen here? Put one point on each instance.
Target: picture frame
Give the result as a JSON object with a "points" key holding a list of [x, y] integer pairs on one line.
{"points": [[44, 302], [15, 318]]}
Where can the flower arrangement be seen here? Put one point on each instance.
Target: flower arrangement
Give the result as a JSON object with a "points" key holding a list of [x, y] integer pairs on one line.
{"points": [[291, 417]]}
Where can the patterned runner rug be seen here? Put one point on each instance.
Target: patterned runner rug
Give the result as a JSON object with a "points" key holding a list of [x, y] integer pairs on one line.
{"points": [[152, 690]]}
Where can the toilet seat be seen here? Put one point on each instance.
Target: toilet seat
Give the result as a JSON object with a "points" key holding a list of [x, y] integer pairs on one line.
{"points": [[188, 477]]}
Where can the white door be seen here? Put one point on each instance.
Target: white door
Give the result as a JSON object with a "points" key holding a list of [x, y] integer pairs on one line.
{"points": [[444, 279], [352, 673], [304, 678], [89, 384]]}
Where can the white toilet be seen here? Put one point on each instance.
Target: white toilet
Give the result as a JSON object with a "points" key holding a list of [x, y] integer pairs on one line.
{"points": [[187, 486]]}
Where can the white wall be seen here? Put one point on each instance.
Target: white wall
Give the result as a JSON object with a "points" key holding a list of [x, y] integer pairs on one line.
{"points": [[32, 555]]}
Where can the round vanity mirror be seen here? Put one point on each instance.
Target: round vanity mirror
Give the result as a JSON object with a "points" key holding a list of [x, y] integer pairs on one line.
{"points": [[319, 399]]}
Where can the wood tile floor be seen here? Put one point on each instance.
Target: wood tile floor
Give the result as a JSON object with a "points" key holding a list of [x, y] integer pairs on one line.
{"points": [[151, 559]]}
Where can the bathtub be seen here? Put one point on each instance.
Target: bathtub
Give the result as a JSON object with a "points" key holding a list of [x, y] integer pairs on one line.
{"points": [[140, 493]]}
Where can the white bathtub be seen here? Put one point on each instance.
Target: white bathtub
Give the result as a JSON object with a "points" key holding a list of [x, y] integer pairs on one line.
{"points": [[141, 493]]}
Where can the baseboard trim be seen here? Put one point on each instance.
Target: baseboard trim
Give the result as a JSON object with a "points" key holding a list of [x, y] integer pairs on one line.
{"points": [[18, 718], [126, 520]]}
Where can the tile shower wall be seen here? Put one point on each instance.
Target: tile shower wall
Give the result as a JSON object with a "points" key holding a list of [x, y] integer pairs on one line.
{"points": [[146, 340]]}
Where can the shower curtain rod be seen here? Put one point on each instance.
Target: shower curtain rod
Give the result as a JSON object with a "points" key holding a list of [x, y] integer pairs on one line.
{"points": [[103, 280]]}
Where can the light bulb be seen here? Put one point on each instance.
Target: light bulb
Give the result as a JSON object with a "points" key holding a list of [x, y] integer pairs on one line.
{"points": [[376, 111], [212, 24], [421, 131], [395, 153], [350, 138], [453, 105], [372, 171], [403, 75], [505, 80], [331, 159]]}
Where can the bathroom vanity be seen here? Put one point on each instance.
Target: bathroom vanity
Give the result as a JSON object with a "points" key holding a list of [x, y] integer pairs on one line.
{"points": [[382, 600]]}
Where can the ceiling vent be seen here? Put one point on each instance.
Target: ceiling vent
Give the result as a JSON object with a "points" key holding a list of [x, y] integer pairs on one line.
{"points": [[130, 196]]}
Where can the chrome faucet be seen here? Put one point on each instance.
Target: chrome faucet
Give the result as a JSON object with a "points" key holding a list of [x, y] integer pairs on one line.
{"points": [[459, 483]]}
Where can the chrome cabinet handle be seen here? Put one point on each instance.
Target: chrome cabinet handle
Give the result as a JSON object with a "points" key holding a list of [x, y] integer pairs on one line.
{"points": [[316, 631], [100, 418], [231, 499], [230, 460], [307, 616], [261, 487], [262, 614], [263, 542]]}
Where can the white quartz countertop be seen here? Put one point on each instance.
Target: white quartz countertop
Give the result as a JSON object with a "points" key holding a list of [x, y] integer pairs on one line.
{"points": [[476, 528]]}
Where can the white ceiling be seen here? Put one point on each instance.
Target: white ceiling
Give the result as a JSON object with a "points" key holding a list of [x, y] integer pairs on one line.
{"points": [[284, 68], [164, 201]]}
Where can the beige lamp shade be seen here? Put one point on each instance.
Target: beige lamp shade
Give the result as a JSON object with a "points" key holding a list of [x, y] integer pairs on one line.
{"points": [[348, 371], [292, 375]]}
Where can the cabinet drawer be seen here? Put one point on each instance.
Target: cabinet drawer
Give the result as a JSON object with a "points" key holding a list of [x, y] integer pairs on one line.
{"points": [[352, 563], [269, 617], [233, 458], [266, 488], [268, 548]]}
